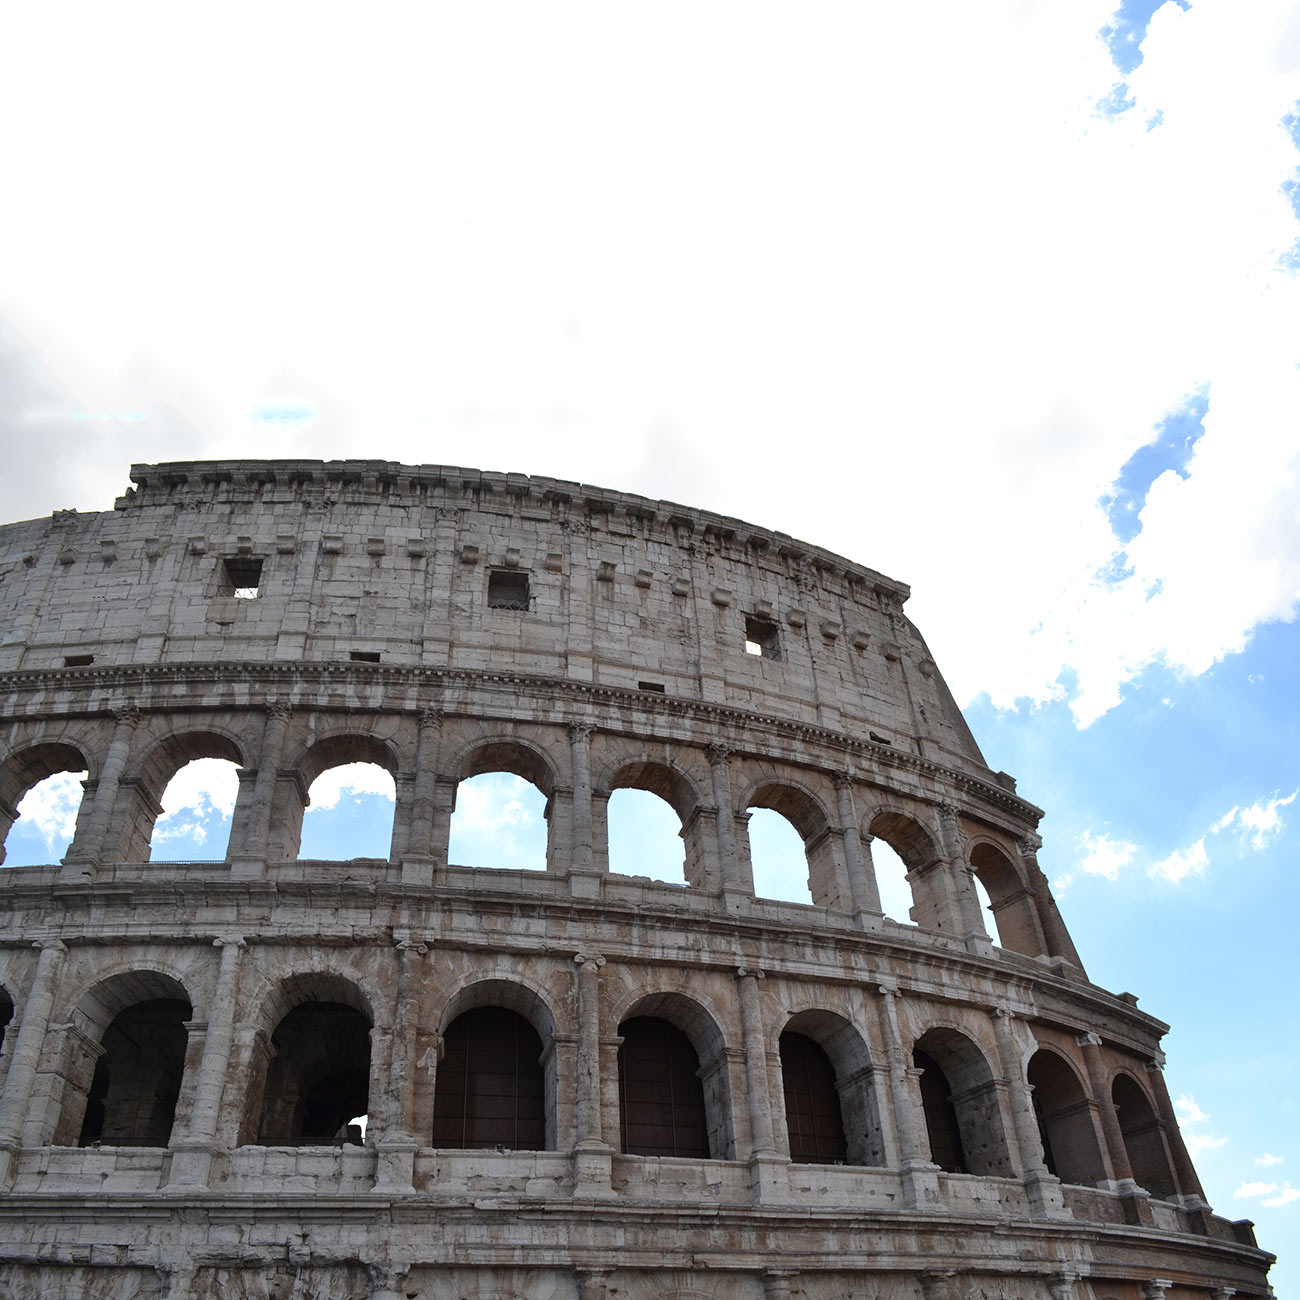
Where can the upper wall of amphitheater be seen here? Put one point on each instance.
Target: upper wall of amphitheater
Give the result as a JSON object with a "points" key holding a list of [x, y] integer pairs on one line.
{"points": [[457, 569]]}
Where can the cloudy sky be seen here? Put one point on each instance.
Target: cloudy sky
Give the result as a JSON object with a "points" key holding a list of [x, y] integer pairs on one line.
{"points": [[1001, 298]]}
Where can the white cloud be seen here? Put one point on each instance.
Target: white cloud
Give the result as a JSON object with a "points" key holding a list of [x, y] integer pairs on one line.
{"points": [[51, 807], [355, 779], [1284, 1196], [1188, 1111], [1268, 1159], [1248, 1190], [200, 798], [1263, 819], [1198, 1142], [1104, 856], [1183, 862], [787, 268], [495, 802]]}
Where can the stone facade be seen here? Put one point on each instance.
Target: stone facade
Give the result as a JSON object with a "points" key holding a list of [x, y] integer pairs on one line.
{"points": [[292, 616]]}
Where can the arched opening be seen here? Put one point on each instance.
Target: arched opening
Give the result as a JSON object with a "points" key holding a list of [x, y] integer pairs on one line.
{"points": [[843, 1053], [40, 796], [891, 881], [1008, 901], [709, 1050], [963, 1116], [645, 837], [777, 858], [349, 814], [199, 818], [318, 1080], [1066, 1127], [197, 806], [813, 1118], [137, 1078], [490, 1090], [1144, 1138], [987, 914], [120, 1074], [500, 821], [661, 1097], [791, 848]]}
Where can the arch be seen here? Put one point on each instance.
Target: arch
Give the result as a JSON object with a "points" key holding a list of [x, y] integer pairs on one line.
{"points": [[316, 1073], [491, 1088], [808, 817], [1144, 1137], [338, 841], [917, 848], [674, 788], [140, 796], [849, 1058], [26, 768], [705, 1040], [1066, 1126], [123, 1061], [960, 1100], [1014, 909], [506, 754], [662, 1111], [498, 846]]}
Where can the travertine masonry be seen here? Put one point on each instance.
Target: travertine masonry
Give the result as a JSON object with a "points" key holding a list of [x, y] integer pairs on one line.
{"points": [[867, 1108]]}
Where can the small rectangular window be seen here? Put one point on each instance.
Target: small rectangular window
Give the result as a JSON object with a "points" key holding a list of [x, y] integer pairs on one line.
{"points": [[364, 656], [241, 578], [657, 687], [762, 637], [78, 661], [507, 589]]}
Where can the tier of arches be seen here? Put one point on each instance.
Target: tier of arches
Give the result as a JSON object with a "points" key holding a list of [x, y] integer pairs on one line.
{"points": [[575, 770], [498, 1066]]}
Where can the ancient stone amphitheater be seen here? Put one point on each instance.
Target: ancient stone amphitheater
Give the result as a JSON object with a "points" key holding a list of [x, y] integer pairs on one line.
{"points": [[580, 1085]]}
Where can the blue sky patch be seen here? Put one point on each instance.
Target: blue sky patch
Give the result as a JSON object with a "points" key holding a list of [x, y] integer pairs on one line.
{"points": [[1125, 36], [1171, 449]]}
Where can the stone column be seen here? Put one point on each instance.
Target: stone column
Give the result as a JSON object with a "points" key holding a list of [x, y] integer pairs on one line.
{"points": [[593, 1283], [397, 1144], [249, 860], [969, 911], [592, 1156], [728, 866], [920, 1174], [1136, 1201], [193, 1153], [26, 1054], [444, 804], [1044, 1189], [1189, 1185], [580, 855], [769, 1177], [776, 1283], [1056, 936], [417, 855], [863, 890], [87, 846]]}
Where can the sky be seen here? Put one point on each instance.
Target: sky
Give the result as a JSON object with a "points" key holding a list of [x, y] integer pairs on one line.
{"points": [[999, 297]]}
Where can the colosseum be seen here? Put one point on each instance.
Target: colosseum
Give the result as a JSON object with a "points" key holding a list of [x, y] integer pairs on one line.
{"points": [[578, 1084]]}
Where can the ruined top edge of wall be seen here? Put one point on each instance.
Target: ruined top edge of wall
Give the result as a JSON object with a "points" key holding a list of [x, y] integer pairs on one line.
{"points": [[391, 483]]}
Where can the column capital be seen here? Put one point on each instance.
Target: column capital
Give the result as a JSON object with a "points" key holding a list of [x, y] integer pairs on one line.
{"points": [[128, 715], [235, 941], [886, 988], [430, 716], [743, 971], [592, 961], [50, 945], [277, 707], [1156, 1063], [409, 944], [580, 730], [1030, 844], [843, 780], [1090, 1039], [717, 753], [1156, 1288]]}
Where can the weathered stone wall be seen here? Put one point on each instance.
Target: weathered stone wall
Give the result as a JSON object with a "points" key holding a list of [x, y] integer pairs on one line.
{"points": [[843, 724]]}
